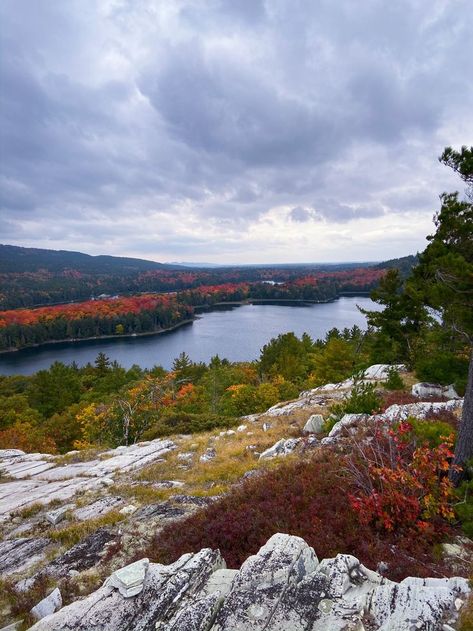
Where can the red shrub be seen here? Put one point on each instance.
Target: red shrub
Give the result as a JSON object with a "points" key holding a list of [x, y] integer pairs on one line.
{"points": [[402, 486], [306, 498]]}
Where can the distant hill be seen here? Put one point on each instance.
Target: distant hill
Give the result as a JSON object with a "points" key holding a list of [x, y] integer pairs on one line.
{"points": [[32, 277], [403, 264], [18, 259]]}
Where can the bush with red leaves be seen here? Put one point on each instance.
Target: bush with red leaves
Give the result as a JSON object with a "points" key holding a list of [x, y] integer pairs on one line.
{"points": [[305, 498]]}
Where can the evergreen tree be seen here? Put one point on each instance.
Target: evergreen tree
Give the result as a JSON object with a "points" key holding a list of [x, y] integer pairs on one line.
{"points": [[444, 276]]}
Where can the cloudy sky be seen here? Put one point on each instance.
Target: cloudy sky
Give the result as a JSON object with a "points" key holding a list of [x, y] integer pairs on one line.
{"points": [[231, 131]]}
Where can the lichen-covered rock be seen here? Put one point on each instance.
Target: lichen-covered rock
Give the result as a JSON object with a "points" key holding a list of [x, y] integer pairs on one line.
{"points": [[262, 581], [17, 555], [282, 588], [167, 591], [422, 390]]}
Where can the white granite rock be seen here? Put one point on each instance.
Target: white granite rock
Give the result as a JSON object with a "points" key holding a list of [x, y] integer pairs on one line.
{"points": [[98, 508], [129, 579], [10, 453], [314, 424], [420, 410], [282, 448], [127, 510], [19, 554], [282, 588], [426, 390], [57, 515], [209, 455], [348, 422], [47, 482], [167, 591], [48, 605]]}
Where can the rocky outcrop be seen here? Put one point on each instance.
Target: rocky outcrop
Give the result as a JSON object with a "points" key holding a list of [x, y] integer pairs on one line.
{"points": [[17, 555], [282, 588], [38, 478], [420, 410]]}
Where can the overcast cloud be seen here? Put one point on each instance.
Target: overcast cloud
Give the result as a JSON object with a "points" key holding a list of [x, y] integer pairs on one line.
{"points": [[231, 131]]}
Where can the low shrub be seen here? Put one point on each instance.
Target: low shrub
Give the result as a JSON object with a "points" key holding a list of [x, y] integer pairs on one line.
{"points": [[464, 507], [394, 380], [364, 399], [402, 486], [431, 432], [396, 397], [307, 498], [187, 423]]}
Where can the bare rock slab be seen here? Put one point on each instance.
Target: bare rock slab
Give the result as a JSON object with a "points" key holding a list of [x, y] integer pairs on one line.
{"points": [[17, 555]]}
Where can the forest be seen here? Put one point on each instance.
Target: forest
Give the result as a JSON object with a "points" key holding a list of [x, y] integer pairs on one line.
{"points": [[32, 277], [147, 313]]}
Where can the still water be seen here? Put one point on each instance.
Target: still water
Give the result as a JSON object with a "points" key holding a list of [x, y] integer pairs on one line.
{"points": [[237, 333]]}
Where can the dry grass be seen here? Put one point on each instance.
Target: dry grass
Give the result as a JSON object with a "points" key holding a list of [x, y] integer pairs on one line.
{"points": [[84, 455], [75, 532], [29, 511], [465, 623], [409, 379], [235, 455], [143, 493]]}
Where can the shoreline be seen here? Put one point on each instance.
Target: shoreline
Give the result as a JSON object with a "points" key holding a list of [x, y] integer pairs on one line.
{"points": [[198, 309], [74, 340]]}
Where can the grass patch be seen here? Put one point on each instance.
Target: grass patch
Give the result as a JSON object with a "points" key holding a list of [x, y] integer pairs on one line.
{"points": [[72, 534], [465, 623], [84, 455], [29, 511], [143, 493]]}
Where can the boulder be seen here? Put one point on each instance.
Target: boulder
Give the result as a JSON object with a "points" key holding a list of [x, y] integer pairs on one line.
{"points": [[314, 424], [347, 422], [209, 455], [426, 390], [57, 515], [129, 579], [282, 448], [127, 510], [48, 605]]}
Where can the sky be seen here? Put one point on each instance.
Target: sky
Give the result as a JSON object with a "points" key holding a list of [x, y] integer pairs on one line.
{"points": [[231, 131]]}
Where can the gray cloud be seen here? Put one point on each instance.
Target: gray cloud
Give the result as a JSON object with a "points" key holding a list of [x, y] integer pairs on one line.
{"points": [[245, 123]]}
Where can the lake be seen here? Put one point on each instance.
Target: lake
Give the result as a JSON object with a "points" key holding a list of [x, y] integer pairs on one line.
{"points": [[237, 333]]}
